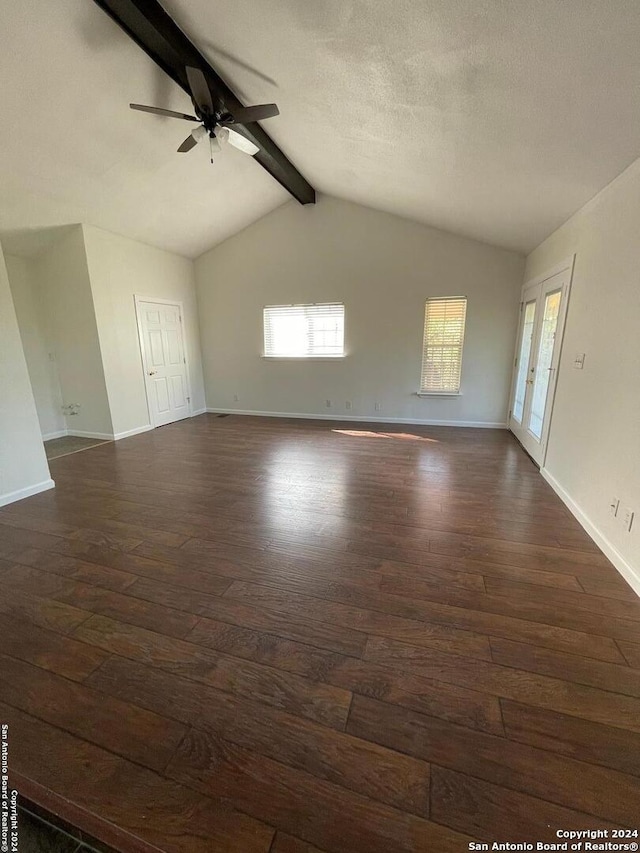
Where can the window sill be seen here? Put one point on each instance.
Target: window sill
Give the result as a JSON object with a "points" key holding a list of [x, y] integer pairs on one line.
{"points": [[303, 357], [438, 393]]}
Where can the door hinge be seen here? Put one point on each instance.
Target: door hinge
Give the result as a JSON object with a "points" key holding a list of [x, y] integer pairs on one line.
{"points": [[184, 359], [510, 413]]}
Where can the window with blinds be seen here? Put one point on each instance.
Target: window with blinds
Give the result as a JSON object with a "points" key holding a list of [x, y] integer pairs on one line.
{"points": [[443, 340], [304, 331]]}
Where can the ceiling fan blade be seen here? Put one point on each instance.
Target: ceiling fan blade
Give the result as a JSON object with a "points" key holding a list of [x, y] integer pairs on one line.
{"points": [[192, 140], [242, 144], [188, 144], [158, 111], [200, 90], [245, 115]]}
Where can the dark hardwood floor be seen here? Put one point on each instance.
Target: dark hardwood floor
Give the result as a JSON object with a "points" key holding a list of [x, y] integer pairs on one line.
{"points": [[270, 636]]}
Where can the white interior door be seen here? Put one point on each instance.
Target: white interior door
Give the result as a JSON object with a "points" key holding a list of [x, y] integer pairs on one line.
{"points": [[542, 314], [164, 361]]}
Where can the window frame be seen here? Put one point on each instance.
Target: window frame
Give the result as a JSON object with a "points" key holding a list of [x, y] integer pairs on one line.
{"points": [[310, 356], [427, 392]]}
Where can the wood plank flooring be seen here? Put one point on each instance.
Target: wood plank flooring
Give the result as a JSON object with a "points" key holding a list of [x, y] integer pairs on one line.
{"points": [[271, 636]]}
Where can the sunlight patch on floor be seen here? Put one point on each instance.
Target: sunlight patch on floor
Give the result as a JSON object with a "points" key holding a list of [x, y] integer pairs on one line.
{"points": [[365, 433]]}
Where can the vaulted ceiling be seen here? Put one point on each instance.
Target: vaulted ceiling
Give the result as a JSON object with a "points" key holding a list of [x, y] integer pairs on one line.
{"points": [[491, 119]]}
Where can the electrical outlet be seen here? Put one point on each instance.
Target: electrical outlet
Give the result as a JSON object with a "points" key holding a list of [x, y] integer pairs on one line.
{"points": [[378, 407], [327, 403], [347, 405], [578, 361], [613, 506], [627, 518], [235, 398]]}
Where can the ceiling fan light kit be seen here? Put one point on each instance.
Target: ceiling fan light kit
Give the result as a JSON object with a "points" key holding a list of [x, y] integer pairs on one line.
{"points": [[199, 133]]}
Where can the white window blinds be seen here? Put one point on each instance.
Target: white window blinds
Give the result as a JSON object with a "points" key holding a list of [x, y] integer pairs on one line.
{"points": [[304, 331], [442, 345]]}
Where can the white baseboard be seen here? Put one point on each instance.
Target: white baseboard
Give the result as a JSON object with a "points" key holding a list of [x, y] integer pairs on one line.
{"points": [[11, 497], [109, 436], [628, 572], [147, 428], [370, 419], [128, 433], [105, 436], [48, 436]]}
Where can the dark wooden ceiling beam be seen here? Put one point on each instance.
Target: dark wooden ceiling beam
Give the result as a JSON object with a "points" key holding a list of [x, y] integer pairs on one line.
{"points": [[155, 31]]}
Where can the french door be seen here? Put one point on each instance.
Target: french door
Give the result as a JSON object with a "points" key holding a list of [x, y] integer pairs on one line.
{"points": [[543, 310]]}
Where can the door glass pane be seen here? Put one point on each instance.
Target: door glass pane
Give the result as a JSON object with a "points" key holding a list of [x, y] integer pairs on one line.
{"points": [[523, 360], [545, 355]]}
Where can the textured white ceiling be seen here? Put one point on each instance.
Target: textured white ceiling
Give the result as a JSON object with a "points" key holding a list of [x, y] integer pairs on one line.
{"points": [[489, 118], [71, 150]]}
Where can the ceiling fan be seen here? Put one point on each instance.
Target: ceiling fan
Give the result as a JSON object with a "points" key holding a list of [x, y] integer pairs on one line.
{"points": [[217, 124]]}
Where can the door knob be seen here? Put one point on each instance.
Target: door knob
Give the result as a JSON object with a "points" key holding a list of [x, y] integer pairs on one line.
{"points": [[152, 372]]}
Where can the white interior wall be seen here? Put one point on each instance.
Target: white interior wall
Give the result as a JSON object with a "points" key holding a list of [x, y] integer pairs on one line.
{"points": [[39, 350], [120, 268], [593, 453], [62, 277], [383, 268], [23, 464]]}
